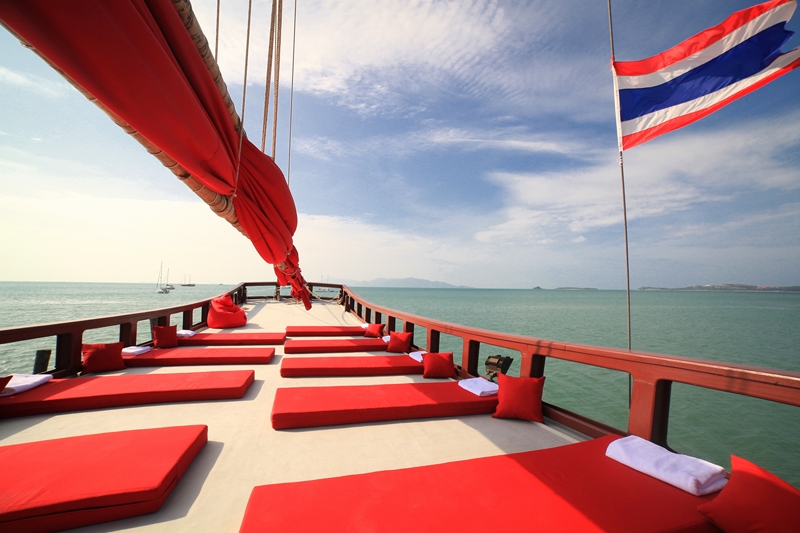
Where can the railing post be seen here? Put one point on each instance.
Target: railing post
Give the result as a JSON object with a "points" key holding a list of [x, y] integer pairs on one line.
{"points": [[68, 353], [367, 315], [391, 324], [204, 313], [408, 327], [188, 319], [378, 317], [532, 365], [359, 310], [469, 357], [42, 361], [649, 413], [127, 333], [432, 342]]}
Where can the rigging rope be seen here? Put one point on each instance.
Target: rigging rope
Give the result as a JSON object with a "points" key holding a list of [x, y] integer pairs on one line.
{"points": [[277, 77], [291, 98], [216, 37], [244, 97], [268, 75]]}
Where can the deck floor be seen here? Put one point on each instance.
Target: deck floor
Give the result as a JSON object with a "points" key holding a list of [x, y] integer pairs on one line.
{"points": [[244, 451]]}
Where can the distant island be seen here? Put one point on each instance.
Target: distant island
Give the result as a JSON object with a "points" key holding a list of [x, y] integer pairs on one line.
{"points": [[405, 283], [575, 289], [726, 287]]}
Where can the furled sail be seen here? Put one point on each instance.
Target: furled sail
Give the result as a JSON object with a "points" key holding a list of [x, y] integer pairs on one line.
{"points": [[138, 62]]}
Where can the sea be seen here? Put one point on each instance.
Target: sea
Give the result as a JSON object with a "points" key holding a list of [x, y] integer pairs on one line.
{"points": [[753, 328]]}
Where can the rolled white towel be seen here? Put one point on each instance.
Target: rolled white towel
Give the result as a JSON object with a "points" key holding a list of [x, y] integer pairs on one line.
{"points": [[691, 474], [185, 333], [365, 326], [387, 338], [135, 350], [417, 356], [479, 386], [22, 382]]}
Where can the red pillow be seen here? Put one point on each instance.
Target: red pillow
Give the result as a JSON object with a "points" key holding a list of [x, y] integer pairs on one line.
{"points": [[223, 313], [102, 357], [374, 330], [754, 500], [399, 342], [438, 365], [519, 398], [165, 336], [4, 381]]}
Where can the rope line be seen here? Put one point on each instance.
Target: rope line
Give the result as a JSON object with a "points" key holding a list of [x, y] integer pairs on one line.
{"points": [[216, 35], [277, 77], [268, 75], [291, 98], [244, 96]]}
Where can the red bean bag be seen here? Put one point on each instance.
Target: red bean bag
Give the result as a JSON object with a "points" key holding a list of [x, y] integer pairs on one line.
{"points": [[223, 313]]}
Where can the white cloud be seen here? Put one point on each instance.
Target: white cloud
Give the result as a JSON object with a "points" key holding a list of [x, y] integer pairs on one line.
{"points": [[43, 86]]}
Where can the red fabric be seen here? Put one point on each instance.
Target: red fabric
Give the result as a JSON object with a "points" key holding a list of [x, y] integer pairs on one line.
{"points": [[232, 339], [519, 398], [399, 341], [223, 313], [374, 330], [333, 345], [568, 489], [119, 475], [325, 331], [165, 336], [202, 356], [300, 407], [438, 365], [4, 381], [370, 365], [77, 394], [102, 358], [137, 59], [754, 500]]}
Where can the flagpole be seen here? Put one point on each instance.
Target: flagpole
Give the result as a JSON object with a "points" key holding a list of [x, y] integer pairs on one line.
{"points": [[622, 179]]}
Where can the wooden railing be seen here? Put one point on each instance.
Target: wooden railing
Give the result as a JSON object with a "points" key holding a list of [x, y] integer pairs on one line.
{"points": [[652, 374]]}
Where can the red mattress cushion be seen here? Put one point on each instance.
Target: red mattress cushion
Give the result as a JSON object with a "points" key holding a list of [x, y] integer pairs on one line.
{"points": [[223, 313], [573, 488], [325, 331], [754, 500], [334, 345], [202, 356], [76, 394], [329, 406], [519, 398], [165, 336], [232, 339], [121, 474], [102, 358], [368, 365]]}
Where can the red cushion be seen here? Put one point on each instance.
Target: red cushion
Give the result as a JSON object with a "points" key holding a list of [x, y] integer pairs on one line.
{"points": [[165, 336], [369, 365], [223, 313], [399, 341], [325, 331], [299, 407], [118, 475], [102, 357], [4, 381], [334, 345], [374, 330], [567, 489], [519, 398], [202, 356], [438, 365], [232, 339], [76, 394], [754, 500]]}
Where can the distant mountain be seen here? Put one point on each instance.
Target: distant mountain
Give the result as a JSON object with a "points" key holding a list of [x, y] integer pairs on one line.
{"points": [[727, 287], [406, 283]]}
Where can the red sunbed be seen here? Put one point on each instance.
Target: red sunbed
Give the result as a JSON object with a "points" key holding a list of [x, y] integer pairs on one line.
{"points": [[325, 331], [230, 339], [61, 484], [334, 345], [300, 407], [201, 356], [77, 394], [369, 365], [564, 489]]}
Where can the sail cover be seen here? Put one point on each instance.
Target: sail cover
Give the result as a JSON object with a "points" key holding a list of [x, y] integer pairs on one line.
{"points": [[140, 63]]}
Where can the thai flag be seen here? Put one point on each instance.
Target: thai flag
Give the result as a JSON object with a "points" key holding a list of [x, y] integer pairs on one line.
{"points": [[703, 73]]}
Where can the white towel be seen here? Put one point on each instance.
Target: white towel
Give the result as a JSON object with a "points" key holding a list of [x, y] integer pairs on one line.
{"points": [[417, 356], [691, 474], [365, 326], [185, 333], [22, 382], [479, 386], [135, 350], [387, 338]]}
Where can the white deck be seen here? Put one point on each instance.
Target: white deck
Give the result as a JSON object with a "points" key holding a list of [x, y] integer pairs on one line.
{"points": [[244, 451]]}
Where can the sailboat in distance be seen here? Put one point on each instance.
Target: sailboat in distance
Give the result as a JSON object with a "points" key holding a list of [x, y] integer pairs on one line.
{"points": [[161, 289], [189, 284]]}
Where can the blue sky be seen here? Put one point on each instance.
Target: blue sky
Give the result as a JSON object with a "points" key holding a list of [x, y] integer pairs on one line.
{"points": [[466, 142]]}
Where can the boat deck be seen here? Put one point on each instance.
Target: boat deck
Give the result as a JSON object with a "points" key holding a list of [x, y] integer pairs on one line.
{"points": [[244, 451]]}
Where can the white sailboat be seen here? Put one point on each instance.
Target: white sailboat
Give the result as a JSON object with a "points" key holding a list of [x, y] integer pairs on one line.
{"points": [[162, 289]]}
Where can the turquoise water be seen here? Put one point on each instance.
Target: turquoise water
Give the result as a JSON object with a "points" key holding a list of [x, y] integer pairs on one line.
{"points": [[758, 329], [752, 328]]}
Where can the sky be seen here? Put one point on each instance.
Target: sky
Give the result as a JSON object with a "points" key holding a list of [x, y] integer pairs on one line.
{"points": [[460, 141]]}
